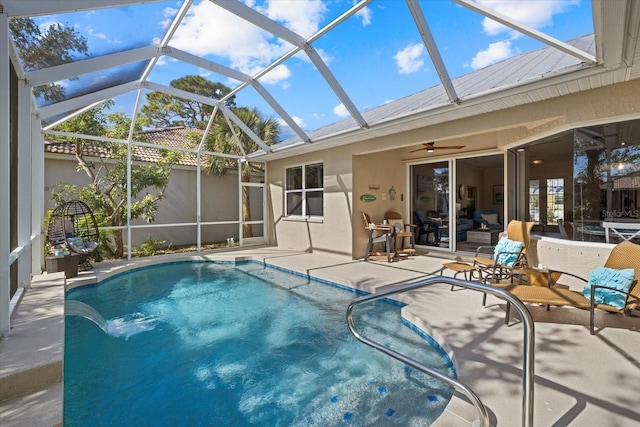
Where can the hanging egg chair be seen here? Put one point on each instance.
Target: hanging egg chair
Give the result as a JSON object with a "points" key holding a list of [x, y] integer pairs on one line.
{"points": [[73, 226]]}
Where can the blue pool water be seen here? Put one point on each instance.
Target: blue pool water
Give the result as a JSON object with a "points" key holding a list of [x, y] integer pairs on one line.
{"points": [[239, 345]]}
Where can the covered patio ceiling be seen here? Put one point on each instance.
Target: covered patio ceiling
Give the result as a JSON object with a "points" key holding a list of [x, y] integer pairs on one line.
{"points": [[602, 54]]}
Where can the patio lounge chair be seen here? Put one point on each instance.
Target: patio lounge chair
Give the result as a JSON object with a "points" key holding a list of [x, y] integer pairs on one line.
{"points": [[507, 258], [402, 231], [625, 255], [378, 234]]}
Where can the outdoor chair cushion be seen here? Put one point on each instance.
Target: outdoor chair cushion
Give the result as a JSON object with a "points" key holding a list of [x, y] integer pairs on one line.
{"points": [[507, 251], [611, 278], [91, 245], [76, 242]]}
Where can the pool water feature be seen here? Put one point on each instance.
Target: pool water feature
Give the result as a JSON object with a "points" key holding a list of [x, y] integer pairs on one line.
{"points": [[234, 345]]}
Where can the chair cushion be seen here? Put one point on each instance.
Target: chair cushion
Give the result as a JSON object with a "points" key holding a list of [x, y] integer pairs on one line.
{"points": [[76, 243], [507, 251], [612, 278], [492, 219], [398, 224]]}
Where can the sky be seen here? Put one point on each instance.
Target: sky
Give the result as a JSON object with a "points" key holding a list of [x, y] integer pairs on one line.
{"points": [[377, 55]]}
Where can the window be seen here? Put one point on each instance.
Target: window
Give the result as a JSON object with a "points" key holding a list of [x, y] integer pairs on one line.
{"points": [[304, 190], [534, 200], [555, 200]]}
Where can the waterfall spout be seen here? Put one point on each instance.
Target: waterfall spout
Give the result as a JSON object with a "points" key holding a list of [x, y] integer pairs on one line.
{"points": [[121, 326], [77, 308]]}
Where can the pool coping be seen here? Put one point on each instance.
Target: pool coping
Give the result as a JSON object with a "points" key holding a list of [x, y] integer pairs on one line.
{"points": [[42, 376], [580, 379]]}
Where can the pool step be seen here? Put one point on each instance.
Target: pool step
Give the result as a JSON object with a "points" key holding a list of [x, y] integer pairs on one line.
{"points": [[31, 359]]}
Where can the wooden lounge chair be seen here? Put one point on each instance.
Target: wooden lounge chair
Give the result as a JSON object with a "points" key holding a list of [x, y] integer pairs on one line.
{"points": [[403, 231], [623, 256], [493, 268], [378, 234]]}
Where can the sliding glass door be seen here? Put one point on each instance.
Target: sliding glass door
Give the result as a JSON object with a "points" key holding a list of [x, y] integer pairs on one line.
{"points": [[430, 203]]}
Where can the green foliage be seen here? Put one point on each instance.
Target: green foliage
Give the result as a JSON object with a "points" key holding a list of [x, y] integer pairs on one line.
{"points": [[106, 192], [39, 50], [150, 247], [221, 139], [164, 110]]}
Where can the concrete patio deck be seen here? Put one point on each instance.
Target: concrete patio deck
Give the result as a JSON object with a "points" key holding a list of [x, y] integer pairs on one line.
{"points": [[581, 380]]}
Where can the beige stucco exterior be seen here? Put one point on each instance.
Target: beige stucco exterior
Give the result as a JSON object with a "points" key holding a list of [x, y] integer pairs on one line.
{"points": [[219, 203], [350, 170]]}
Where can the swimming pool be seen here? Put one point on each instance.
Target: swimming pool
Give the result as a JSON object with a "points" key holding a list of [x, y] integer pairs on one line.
{"points": [[233, 345]]}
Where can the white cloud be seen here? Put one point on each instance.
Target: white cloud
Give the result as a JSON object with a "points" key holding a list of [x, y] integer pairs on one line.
{"points": [[297, 120], [169, 13], [99, 79], [278, 74], [365, 15], [209, 30], [90, 31], [534, 13], [494, 53], [301, 17], [44, 25], [410, 59], [341, 111]]}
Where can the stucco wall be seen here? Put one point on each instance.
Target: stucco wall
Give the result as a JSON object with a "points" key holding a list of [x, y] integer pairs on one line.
{"points": [[382, 161], [383, 169], [333, 233], [219, 202]]}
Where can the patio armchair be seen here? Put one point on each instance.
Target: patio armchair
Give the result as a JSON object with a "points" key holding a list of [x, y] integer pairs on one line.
{"points": [[428, 225], [402, 231], [509, 256], [378, 234], [614, 288]]}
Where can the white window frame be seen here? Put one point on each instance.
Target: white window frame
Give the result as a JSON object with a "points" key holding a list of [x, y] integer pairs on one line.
{"points": [[302, 191]]}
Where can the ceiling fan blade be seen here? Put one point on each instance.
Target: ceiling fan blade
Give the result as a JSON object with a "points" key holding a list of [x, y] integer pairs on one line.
{"points": [[430, 146], [427, 145], [449, 147]]}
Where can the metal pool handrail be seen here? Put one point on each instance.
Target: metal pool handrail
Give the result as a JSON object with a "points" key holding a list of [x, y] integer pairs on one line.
{"points": [[528, 345]]}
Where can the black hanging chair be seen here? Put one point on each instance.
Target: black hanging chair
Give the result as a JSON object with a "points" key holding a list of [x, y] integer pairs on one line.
{"points": [[73, 226]]}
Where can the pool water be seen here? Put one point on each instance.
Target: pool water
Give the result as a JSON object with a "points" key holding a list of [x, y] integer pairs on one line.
{"points": [[239, 345]]}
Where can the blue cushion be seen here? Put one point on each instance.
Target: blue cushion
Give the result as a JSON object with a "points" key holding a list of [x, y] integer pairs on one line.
{"points": [[612, 278], [76, 243], [507, 251]]}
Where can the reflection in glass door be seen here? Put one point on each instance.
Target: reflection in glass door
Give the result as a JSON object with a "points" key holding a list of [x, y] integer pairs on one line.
{"points": [[430, 203]]}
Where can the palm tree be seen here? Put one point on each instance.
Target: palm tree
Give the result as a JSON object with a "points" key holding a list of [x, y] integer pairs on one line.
{"points": [[221, 139]]}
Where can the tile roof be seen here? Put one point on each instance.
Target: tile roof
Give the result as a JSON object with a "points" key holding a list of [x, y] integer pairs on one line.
{"points": [[168, 137]]}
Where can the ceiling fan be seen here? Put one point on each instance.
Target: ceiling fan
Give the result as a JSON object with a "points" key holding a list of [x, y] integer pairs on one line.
{"points": [[430, 147]]}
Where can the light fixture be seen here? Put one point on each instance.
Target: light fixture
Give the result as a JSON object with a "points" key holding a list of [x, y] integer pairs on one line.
{"points": [[430, 149], [537, 162]]}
